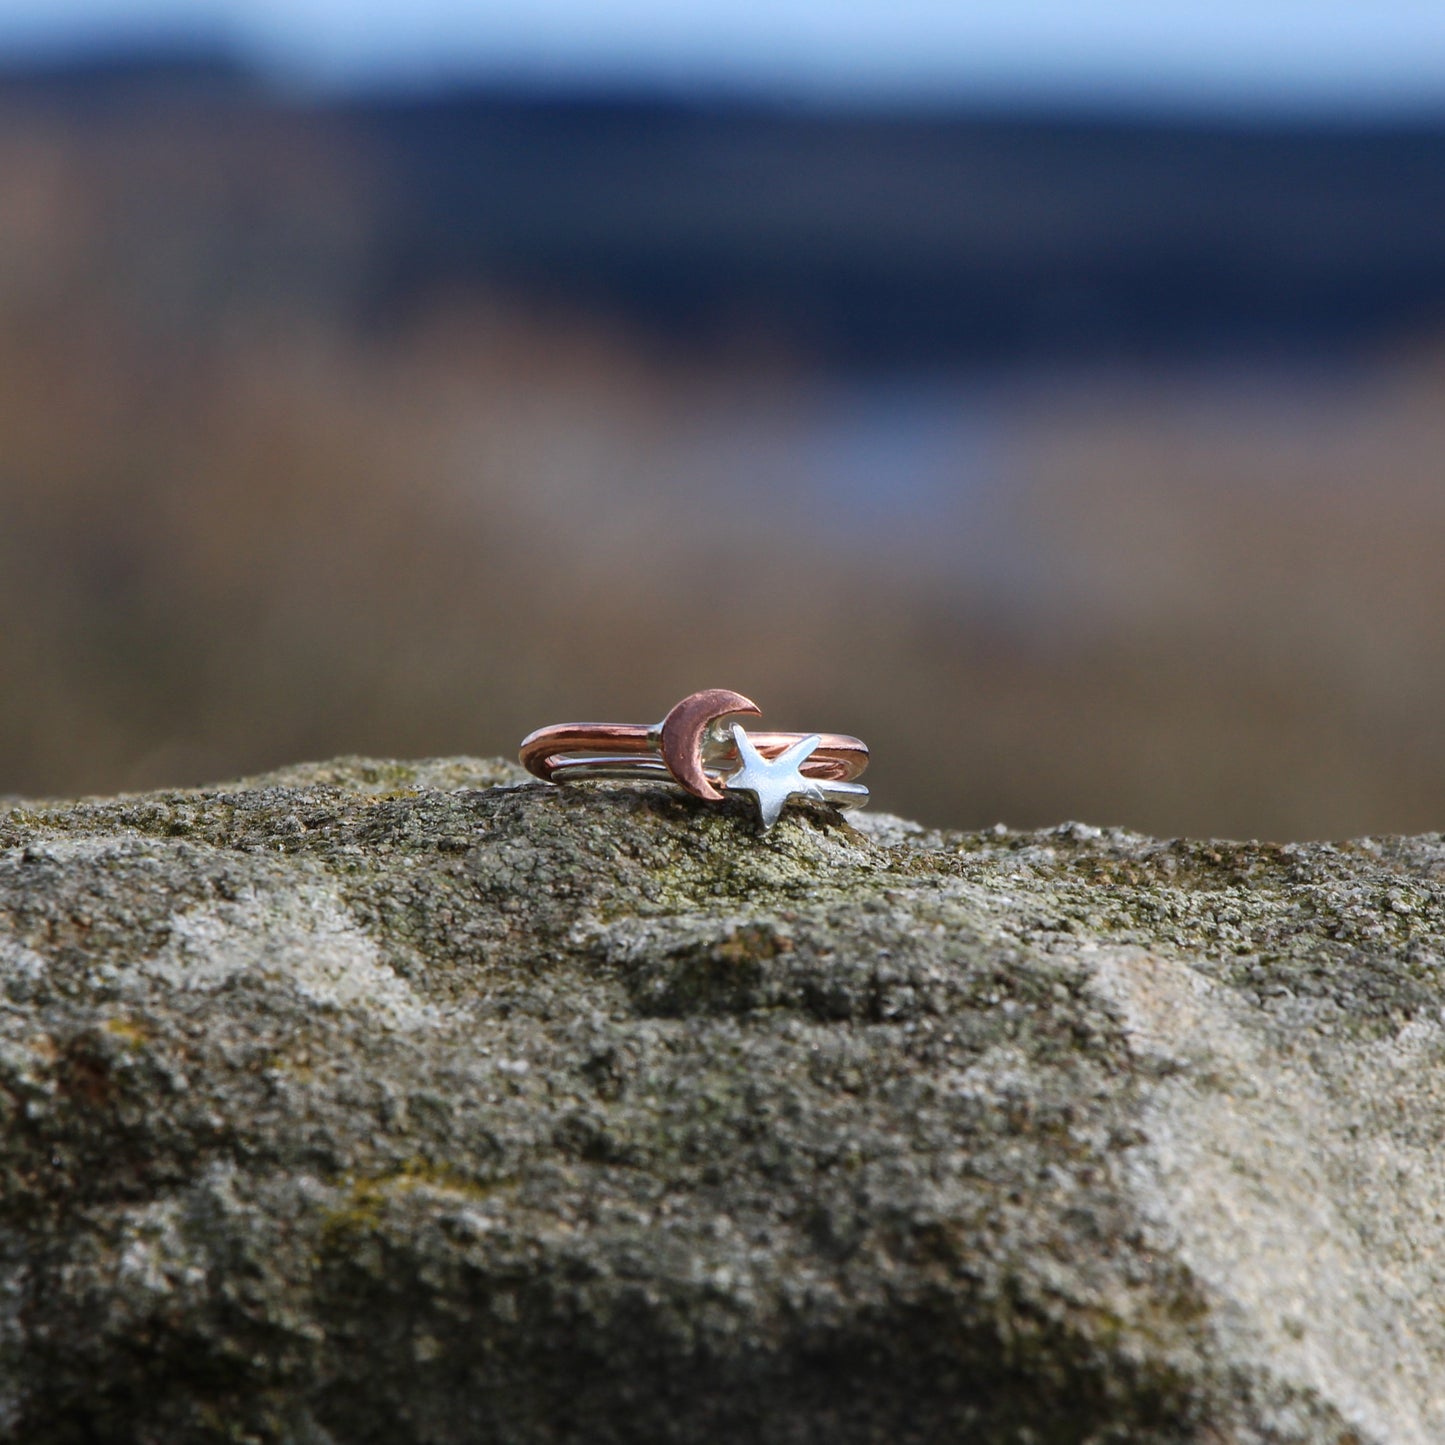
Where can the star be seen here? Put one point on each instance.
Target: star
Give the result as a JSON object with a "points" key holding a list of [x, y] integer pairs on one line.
{"points": [[773, 782]]}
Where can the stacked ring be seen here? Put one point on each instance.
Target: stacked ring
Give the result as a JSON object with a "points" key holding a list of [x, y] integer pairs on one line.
{"points": [[701, 747]]}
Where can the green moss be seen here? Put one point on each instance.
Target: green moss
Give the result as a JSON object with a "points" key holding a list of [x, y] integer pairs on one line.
{"points": [[368, 1197], [135, 1036]]}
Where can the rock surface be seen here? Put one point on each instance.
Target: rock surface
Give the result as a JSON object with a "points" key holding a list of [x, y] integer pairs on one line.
{"points": [[422, 1103]]}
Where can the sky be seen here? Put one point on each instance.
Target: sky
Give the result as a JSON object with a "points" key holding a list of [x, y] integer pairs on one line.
{"points": [[1371, 54]]}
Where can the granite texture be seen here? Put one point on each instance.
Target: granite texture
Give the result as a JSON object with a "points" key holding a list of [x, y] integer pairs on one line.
{"points": [[377, 1102]]}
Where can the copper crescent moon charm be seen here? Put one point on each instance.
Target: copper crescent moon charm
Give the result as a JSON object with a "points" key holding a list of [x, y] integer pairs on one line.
{"points": [[683, 731]]}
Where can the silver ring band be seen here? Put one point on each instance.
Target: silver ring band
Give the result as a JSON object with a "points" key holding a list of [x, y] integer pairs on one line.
{"points": [[649, 770]]}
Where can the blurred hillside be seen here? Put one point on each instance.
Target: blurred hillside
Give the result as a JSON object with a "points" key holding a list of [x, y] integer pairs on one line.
{"points": [[870, 238], [1085, 469], [885, 239]]}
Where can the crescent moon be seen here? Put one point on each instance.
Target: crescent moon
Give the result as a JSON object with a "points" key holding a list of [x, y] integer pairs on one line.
{"points": [[684, 729]]}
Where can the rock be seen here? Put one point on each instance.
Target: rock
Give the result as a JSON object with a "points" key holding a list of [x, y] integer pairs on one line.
{"points": [[424, 1103]]}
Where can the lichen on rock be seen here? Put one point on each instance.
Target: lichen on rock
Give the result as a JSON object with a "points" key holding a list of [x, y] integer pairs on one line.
{"points": [[422, 1102]]}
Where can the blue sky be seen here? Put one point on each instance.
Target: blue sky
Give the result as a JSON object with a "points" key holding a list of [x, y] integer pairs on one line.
{"points": [[1367, 53]]}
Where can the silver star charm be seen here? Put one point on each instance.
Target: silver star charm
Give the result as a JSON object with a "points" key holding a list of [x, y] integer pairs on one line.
{"points": [[773, 782]]}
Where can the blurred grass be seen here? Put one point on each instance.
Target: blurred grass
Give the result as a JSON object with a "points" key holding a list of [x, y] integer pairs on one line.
{"points": [[238, 530]]}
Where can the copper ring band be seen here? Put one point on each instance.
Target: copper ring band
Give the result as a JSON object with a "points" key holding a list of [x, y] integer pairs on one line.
{"points": [[838, 758], [688, 747]]}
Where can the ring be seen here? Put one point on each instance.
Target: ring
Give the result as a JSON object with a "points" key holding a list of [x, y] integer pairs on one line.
{"points": [[700, 747]]}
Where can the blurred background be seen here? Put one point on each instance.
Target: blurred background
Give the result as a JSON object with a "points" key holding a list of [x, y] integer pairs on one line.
{"points": [[1055, 399]]}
